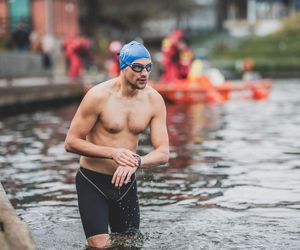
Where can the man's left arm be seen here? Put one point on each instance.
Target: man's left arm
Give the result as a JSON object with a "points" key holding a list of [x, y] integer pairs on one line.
{"points": [[159, 140], [159, 136]]}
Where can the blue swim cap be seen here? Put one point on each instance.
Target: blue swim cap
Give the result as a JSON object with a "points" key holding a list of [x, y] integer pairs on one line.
{"points": [[132, 51]]}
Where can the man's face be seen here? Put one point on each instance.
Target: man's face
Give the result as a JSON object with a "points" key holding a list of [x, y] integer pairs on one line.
{"points": [[138, 80]]}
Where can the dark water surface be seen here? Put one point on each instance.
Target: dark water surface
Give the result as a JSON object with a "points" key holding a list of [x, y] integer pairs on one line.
{"points": [[233, 181]]}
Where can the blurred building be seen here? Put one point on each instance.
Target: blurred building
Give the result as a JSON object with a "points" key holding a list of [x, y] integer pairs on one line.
{"points": [[260, 17], [57, 17], [201, 18], [239, 17]]}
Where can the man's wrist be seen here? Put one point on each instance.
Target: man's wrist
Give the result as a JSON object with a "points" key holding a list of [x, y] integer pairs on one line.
{"points": [[110, 153], [138, 161]]}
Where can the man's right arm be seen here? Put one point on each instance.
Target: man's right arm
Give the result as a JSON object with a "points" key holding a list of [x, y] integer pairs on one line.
{"points": [[81, 125]]}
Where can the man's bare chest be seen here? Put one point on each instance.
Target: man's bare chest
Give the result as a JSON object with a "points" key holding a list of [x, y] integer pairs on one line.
{"points": [[119, 116]]}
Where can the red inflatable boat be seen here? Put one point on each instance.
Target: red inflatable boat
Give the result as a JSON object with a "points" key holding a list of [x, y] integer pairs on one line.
{"points": [[201, 89]]}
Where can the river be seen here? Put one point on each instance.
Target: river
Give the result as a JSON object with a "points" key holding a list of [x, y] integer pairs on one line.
{"points": [[233, 180]]}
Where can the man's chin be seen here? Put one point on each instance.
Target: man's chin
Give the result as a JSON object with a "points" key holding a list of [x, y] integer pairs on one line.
{"points": [[141, 84]]}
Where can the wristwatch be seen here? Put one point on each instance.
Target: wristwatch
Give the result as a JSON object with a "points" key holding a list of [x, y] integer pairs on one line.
{"points": [[139, 160]]}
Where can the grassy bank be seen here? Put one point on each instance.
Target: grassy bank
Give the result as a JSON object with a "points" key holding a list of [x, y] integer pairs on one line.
{"points": [[276, 55]]}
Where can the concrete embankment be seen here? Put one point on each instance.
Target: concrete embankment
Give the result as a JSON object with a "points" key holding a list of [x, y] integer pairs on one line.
{"points": [[26, 94], [14, 234]]}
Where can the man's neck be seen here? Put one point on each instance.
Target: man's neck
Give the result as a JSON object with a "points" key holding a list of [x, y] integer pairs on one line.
{"points": [[125, 89]]}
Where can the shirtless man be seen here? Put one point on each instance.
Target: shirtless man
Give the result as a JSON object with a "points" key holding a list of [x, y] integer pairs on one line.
{"points": [[105, 132]]}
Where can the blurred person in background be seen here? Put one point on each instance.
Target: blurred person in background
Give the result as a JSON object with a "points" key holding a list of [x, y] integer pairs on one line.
{"points": [[170, 56], [36, 42], [177, 57], [113, 64], [186, 58], [75, 50], [21, 38], [48, 45]]}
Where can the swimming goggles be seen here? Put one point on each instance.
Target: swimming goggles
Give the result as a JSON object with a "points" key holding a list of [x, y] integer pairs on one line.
{"points": [[138, 67]]}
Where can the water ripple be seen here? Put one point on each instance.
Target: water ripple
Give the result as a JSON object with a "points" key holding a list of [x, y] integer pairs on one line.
{"points": [[232, 181]]}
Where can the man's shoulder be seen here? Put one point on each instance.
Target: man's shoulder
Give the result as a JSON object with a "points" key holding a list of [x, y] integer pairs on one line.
{"points": [[101, 90], [153, 93]]}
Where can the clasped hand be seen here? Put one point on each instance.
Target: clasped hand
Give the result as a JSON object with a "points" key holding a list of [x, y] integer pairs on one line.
{"points": [[124, 157], [127, 165], [122, 175]]}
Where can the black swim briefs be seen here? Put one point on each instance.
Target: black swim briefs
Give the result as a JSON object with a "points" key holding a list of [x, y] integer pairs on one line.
{"points": [[102, 205]]}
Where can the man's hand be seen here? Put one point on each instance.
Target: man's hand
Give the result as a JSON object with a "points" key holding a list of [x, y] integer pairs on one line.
{"points": [[122, 175], [124, 157]]}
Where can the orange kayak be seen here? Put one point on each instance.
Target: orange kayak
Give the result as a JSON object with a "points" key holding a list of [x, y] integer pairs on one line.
{"points": [[203, 90]]}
